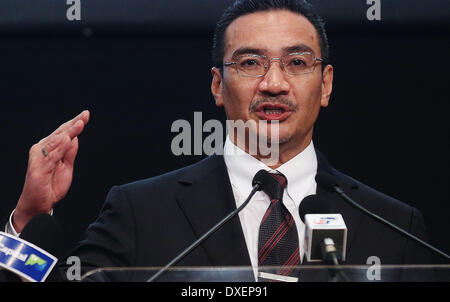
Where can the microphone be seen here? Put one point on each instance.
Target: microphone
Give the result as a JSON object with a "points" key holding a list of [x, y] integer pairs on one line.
{"points": [[260, 180], [313, 204], [325, 234], [330, 183], [31, 256], [44, 231]]}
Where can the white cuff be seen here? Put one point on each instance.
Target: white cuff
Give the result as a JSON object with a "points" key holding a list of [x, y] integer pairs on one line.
{"points": [[9, 228]]}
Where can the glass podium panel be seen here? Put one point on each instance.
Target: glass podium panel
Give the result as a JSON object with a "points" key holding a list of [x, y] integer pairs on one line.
{"points": [[303, 273]]}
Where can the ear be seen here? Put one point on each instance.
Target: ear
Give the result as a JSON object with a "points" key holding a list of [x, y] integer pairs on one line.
{"points": [[327, 85], [216, 86]]}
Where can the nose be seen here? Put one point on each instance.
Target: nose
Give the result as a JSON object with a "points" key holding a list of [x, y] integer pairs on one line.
{"points": [[274, 82]]}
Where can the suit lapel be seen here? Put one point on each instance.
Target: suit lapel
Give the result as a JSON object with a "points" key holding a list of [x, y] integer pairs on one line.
{"points": [[206, 198]]}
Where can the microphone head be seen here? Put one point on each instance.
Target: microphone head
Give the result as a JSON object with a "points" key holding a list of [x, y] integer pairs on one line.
{"points": [[314, 204], [261, 178], [45, 232], [327, 181], [267, 183]]}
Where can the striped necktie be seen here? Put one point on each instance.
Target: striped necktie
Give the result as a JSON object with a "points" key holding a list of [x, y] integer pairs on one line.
{"points": [[278, 240]]}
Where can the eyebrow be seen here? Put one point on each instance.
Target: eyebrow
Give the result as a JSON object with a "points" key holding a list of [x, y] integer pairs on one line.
{"points": [[298, 48], [247, 51], [258, 51]]}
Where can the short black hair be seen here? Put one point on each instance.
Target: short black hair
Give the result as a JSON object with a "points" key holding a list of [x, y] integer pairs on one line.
{"points": [[244, 7]]}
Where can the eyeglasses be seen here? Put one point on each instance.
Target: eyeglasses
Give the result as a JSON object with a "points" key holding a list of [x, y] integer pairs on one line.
{"points": [[255, 66]]}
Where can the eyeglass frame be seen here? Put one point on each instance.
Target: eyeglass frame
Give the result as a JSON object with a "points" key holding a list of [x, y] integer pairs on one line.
{"points": [[267, 65]]}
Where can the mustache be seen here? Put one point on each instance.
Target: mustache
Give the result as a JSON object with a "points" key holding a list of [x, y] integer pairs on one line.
{"points": [[292, 106]]}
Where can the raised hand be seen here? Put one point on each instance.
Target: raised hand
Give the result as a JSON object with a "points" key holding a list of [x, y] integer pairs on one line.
{"points": [[50, 171]]}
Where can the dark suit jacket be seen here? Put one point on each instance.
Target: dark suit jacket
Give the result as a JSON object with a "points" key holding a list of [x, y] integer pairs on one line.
{"points": [[148, 222]]}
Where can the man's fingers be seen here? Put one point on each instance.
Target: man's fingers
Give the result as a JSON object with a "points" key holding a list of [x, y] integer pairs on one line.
{"points": [[75, 130], [83, 116], [44, 158], [53, 142], [56, 150], [71, 154], [46, 154], [71, 128]]}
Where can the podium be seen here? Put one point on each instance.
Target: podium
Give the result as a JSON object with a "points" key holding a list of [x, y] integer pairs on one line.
{"points": [[303, 273]]}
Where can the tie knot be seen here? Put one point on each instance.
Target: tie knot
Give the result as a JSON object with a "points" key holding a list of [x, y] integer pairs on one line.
{"points": [[275, 186]]}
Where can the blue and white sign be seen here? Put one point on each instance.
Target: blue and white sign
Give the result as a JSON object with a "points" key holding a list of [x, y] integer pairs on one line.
{"points": [[24, 258]]}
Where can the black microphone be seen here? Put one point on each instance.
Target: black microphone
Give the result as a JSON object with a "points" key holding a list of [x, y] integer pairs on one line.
{"points": [[44, 231], [260, 181], [330, 183], [314, 204]]}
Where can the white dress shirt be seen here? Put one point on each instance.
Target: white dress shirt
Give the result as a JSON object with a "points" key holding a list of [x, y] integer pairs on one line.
{"points": [[300, 172]]}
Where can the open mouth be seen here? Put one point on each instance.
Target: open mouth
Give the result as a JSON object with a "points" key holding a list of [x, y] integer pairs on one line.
{"points": [[275, 112]]}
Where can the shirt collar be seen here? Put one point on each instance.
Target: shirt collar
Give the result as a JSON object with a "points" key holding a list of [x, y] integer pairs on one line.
{"points": [[299, 171]]}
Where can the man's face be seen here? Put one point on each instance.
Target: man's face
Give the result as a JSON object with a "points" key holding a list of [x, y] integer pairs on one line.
{"points": [[295, 98]]}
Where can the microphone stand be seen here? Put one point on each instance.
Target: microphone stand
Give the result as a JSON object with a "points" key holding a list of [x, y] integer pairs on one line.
{"points": [[382, 220], [329, 183], [329, 255], [256, 187]]}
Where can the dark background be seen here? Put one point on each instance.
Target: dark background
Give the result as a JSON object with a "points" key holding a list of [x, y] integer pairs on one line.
{"points": [[387, 124]]}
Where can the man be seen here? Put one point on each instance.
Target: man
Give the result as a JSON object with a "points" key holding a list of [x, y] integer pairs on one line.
{"points": [[270, 64]]}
